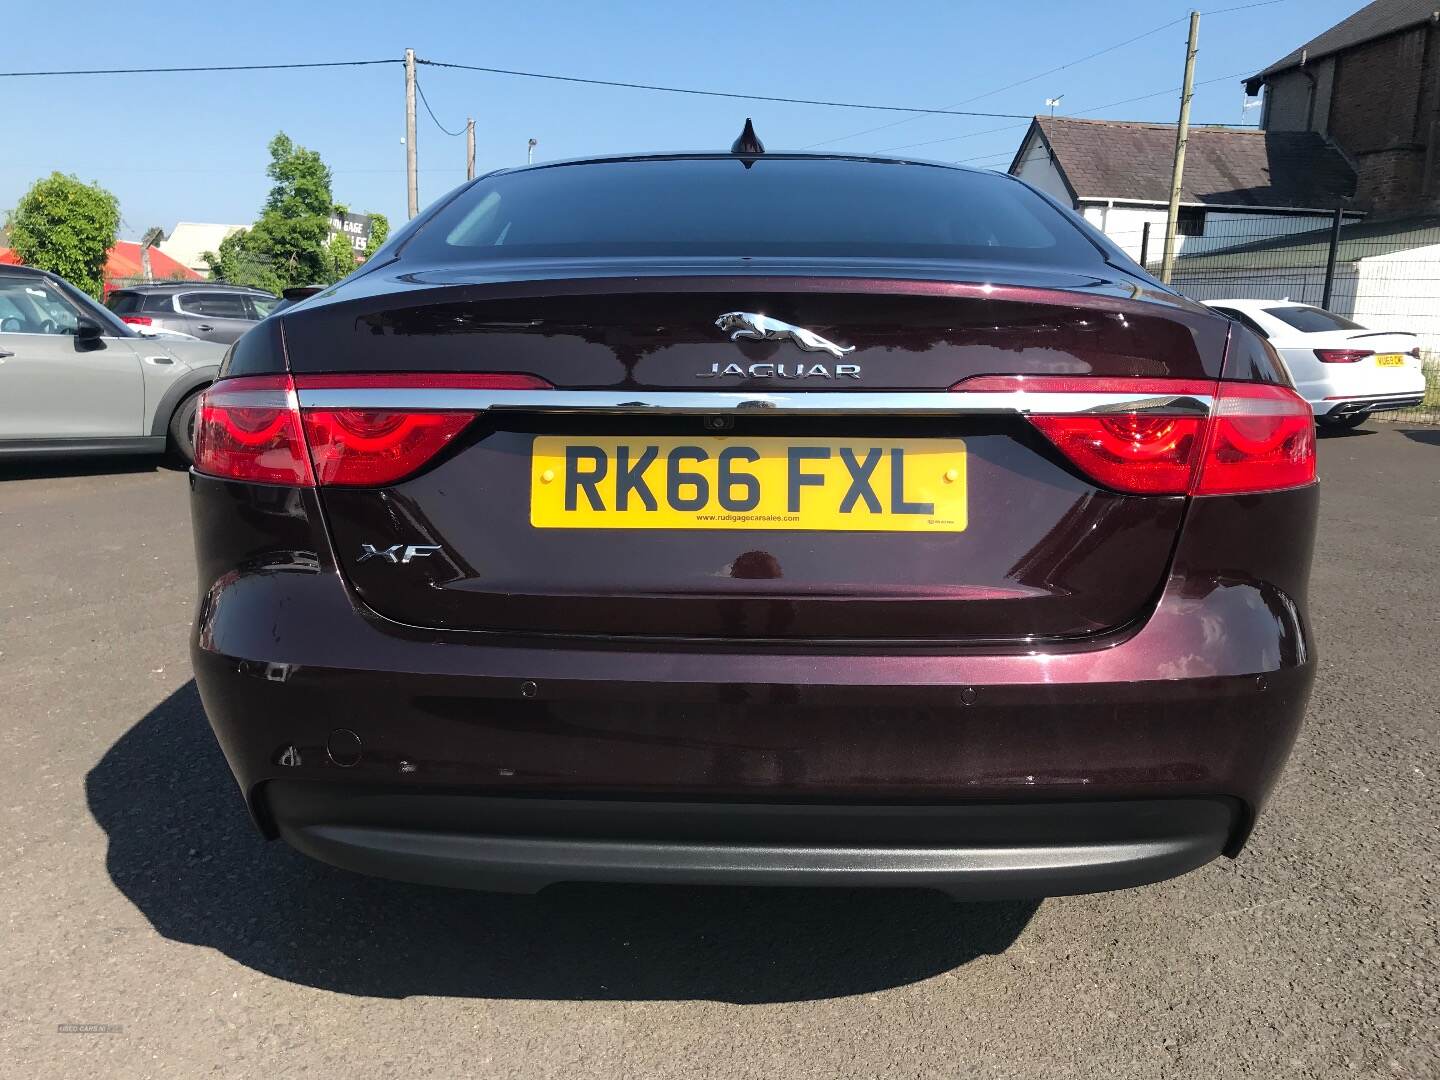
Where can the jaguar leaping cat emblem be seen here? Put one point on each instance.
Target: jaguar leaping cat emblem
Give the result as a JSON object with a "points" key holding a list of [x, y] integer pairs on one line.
{"points": [[749, 326]]}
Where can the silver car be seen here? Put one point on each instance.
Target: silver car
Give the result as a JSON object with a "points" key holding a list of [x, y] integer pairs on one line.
{"points": [[74, 379], [208, 310]]}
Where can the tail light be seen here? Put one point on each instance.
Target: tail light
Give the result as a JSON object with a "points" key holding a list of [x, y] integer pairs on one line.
{"points": [[249, 429], [137, 320], [254, 429], [369, 448], [1262, 438], [1342, 356], [1257, 436], [1150, 455]]}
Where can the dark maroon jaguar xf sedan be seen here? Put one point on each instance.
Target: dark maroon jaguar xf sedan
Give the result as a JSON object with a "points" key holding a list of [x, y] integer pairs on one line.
{"points": [[754, 518]]}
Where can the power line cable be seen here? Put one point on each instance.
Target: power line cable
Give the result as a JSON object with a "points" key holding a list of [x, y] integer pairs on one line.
{"points": [[722, 93], [214, 67], [1098, 108], [424, 101], [1041, 75], [1082, 112], [1241, 7], [1008, 86]]}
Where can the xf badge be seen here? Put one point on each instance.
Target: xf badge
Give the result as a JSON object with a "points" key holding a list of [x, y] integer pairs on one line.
{"points": [[398, 553]]}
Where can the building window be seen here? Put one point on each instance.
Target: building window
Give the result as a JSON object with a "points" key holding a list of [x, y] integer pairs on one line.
{"points": [[1190, 222]]}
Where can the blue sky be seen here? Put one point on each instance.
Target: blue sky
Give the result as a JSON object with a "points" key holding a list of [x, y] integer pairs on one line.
{"points": [[192, 147]]}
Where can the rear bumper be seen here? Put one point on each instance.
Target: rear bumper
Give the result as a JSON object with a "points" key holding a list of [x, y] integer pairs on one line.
{"points": [[1042, 764], [970, 851], [1380, 403]]}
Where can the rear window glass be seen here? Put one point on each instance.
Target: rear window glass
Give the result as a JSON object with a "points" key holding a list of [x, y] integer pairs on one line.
{"points": [[776, 207], [123, 302], [1312, 320], [1243, 319], [215, 305]]}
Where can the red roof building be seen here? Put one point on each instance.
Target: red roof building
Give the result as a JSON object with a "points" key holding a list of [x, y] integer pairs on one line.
{"points": [[123, 267]]}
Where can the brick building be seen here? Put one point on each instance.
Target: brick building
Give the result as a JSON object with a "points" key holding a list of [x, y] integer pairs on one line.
{"points": [[1371, 86]]}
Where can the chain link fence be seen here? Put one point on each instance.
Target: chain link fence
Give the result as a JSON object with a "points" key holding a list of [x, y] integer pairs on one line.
{"points": [[1384, 275]]}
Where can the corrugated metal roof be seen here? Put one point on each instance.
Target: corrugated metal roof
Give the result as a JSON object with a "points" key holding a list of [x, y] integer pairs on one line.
{"points": [[1106, 159], [1358, 241]]}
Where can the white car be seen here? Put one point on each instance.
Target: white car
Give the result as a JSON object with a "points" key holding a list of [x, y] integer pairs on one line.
{"points": [[1343, 370]]}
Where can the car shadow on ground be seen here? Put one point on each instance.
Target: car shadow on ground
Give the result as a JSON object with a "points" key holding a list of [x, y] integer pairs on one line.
{"points": [[1429, 435], [183, 851]]}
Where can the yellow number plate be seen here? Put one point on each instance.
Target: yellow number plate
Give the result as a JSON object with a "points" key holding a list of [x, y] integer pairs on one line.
{"points": [[710, 482], [1390, 360]]}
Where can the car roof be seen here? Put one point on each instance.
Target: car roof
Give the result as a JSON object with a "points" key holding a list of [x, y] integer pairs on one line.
{"points": [[716, 155], [25, 271], [222, 286], [1249, 303]]}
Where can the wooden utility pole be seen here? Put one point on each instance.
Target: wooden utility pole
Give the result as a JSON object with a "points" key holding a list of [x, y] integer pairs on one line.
{"points": [[469, 149], [412, 182], [1182, 133]]}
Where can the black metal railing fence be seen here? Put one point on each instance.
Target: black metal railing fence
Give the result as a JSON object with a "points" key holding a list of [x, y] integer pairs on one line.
{"points": [[1384, 275]]}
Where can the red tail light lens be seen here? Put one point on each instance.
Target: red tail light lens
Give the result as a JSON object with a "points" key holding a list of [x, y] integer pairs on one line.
{"points": [[360, 447], [1262, 438], [137, 320], [1150, 455], [249, 429], [1342, 356], [1258, 437], [365, 448], [254, 428]]}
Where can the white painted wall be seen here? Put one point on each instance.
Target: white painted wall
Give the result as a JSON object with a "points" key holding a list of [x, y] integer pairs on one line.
{"points": [[1401, 291], [191, 239], [1036, 168]]}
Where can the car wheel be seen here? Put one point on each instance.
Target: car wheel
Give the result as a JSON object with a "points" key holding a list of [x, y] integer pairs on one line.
{"points": [[182, 429], [1342, 423]]}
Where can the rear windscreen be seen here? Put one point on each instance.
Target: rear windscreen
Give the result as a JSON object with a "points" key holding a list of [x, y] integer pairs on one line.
{"points": [[768, 207], [1312, 320]]}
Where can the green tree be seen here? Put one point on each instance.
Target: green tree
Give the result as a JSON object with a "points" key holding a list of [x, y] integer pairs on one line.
{"points": [[379, 232], [290, 244], [67, 227], [239, 263], [287, 245], [339, 259], [293, 227]]}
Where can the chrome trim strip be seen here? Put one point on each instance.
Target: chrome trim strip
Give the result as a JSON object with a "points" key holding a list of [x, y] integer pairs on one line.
{"points": [[217, 394], [921, 403]]}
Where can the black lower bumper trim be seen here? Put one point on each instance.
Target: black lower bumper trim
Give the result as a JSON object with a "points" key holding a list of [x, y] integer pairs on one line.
{"points": [[970, 851], [1371, 405]]}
